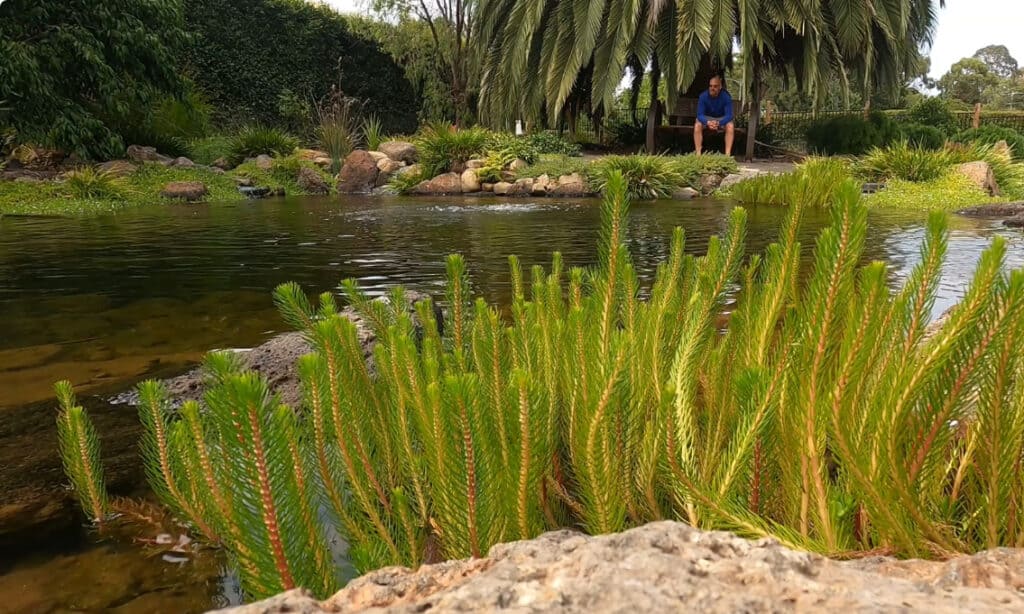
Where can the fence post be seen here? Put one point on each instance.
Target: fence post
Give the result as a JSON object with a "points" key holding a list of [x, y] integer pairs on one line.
{"points": [[976, 122]]}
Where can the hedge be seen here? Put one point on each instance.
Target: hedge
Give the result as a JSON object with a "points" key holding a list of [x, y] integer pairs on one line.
{"points": [[245, 53]]}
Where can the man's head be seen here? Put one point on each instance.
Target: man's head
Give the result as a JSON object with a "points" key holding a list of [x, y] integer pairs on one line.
{"points": [[715, 86]]}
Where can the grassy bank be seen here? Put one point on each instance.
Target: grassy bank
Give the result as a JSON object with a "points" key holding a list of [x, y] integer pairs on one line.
{"points": [[89, 192]]}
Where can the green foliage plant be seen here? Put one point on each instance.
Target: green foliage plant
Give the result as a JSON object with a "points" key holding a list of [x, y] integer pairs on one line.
{"points": [[208, 150], [935, 112], [252, 141], [950, 192], [80, 453], [556, 165], [903, 160], [648, 177], [989, 134], [337, 130], [850, 134], [815, 183], [373, 132], [249, 56], [89, 183], [550, 142], [825, 414], [71, 67], [406, 182], [511, 147], [920, 135], [443, 147]]}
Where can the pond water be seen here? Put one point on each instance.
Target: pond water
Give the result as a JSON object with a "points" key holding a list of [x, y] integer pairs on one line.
{"points": [[107, 301]]}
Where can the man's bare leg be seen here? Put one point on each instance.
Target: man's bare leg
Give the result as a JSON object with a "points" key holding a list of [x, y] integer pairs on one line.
{"points": [[729, 135], [698, 137]]}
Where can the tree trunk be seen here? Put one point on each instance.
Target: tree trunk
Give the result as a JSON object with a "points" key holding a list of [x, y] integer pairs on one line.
{"points": [[653, 111], [754, 113]]}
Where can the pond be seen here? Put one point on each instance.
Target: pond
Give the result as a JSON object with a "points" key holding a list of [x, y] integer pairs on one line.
{"points": [[110, 300]]}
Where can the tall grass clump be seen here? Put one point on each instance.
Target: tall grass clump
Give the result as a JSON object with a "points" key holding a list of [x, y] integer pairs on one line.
{"points": [[814, 183], [373, 132], [826, 414], [89, 183], [901, 160], [252, 141], [337, 127], [647, 177], [443, 147]]}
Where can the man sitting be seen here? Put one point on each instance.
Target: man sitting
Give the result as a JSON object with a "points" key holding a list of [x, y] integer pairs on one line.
{"points": [[714, 113]]}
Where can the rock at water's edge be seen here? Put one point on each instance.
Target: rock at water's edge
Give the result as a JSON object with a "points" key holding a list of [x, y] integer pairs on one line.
{"points": [[185, 190], [671, 567], [359, 173]]}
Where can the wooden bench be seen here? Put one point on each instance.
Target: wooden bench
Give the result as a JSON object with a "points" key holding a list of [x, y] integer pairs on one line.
{"points": [[680, 126]]}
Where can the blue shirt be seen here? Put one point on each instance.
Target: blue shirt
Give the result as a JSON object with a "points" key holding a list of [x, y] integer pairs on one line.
{"points": [[720, 106]]}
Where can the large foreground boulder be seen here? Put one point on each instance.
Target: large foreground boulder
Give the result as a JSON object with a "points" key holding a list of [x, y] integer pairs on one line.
{"points": [[400, 151], [448, 183], [359, 173], [671, 567]]}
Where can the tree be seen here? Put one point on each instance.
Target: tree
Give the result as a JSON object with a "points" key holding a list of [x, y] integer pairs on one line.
{"points": [[967, 81], [536, 50], [71, 68], [453, 30], [998, 60]]}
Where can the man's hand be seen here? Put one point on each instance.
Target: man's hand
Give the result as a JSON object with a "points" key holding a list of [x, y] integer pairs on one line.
{"points": [[713, 124]]}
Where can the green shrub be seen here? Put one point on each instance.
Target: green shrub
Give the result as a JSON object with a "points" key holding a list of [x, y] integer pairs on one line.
{"points": [[902, 160], [693, 167], [244, 54], [252, 141], [989, 134], [441, 147], [934, 111], [337, 129], [405, 183], [373, 132], [208, 150], [949, 192], [850, 134], [820, 415], [815, 183], [550, 142], [647, 177], [90, 184], [925, 137], [511, 147]]}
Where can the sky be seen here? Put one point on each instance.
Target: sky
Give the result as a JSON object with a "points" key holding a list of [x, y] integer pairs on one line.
{"points": [[964, 27]]}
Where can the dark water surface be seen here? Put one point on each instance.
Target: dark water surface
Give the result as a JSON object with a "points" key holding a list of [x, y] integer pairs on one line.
{"points": [[107, 301]]}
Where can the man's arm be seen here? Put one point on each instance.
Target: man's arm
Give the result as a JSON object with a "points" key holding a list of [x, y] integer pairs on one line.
{"points": [[702, 110], [728, 109]]}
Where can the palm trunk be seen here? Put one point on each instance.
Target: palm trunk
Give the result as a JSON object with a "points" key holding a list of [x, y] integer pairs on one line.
{"points": [[754, 113]]}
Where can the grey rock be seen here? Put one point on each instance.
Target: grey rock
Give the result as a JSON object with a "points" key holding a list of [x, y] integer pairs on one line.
{"points": [[980, 174], [221, 163], [517, 165], [400, 151], [449, 183], [1014, 222], [686, 193], [139, 153], [572, 185], [475, 164], [710, 183], [997, 210], [671, 567], [264, 162], [183, 162], [117, 168]]}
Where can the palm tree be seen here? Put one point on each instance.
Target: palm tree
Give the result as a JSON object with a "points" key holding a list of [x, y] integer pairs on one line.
{"points": [[536, 50]]}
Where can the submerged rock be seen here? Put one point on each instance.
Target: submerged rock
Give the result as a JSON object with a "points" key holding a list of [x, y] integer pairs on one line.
{"points": [[254, 192], [672, 567]]}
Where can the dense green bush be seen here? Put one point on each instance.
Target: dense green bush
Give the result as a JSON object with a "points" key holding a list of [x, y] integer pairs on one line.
{"points": [[990, 135], [925, 137], [850, 134], [905, 161], [693, 167], [442, 147], [252, 141], [512, 147], [70, 69], [208, 150], [815, 183], [245, 53], [647, 177], [550, 142], [935, 112]]}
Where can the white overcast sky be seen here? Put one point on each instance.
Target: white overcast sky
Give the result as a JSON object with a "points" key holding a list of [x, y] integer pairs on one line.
{"points": [[964, 27]]}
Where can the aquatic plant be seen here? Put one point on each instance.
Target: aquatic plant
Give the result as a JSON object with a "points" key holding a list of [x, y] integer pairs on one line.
{"points": [[252, 141], [80, 454], [824, 412], [442, 147], [814, 183], [951, 192], [647, 177]]}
